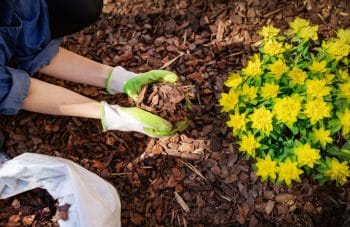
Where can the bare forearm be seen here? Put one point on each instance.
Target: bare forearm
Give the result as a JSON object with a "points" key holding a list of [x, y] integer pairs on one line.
{"points": [[70, 66], [51, 99]]}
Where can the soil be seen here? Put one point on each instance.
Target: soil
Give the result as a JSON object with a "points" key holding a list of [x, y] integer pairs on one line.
{"points": [[197, 177]]}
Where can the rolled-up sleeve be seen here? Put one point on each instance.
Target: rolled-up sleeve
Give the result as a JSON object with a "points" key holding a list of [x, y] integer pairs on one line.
{"points": [[33, 63], [25, 39], [35, 48], [14, 86]]}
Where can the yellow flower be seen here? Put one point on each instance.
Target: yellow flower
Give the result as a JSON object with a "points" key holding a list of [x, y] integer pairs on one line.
{"points": [[345, 90], [336, 48], [266, 168], [287, 109], [228, 101], [262, 120], [289, 171], [318, 66], [288, 46], [345, 121], [249, 144], [307, 155], [344, 35], [309, 32], [322, 136], [338, 171], [233, 80], [297, 75], [269, 31], [249, 91], [317, 110], [278, 68], [253, 67], [303, 29], [272, 47], [317, 88], [237, 122], [298, 24], [329, 78], [269, 90], [343, 74]]}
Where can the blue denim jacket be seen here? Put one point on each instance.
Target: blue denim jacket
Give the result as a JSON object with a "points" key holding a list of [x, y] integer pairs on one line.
{"points": [[26, 40]]}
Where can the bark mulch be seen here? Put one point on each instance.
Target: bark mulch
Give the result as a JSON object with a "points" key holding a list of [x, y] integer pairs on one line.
{"points": [[195, 178]]}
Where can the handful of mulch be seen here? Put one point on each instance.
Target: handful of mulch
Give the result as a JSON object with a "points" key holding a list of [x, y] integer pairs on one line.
{"points": [[169, 101]]}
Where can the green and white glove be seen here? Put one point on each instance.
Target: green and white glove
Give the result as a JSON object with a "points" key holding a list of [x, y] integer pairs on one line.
{"points": [[115, 117], [122, 80]]}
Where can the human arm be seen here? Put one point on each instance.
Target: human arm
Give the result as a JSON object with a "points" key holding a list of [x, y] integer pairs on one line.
{"points": [[55, 100], [18, 90], [51, 99], [31, 47], [69, 66]]}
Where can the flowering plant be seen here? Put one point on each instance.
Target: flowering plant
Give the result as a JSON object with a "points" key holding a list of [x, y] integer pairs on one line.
{"points": [[290, 106]]}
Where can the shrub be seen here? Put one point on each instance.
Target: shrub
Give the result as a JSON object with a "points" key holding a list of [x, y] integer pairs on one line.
{"points": [[289, 108]]}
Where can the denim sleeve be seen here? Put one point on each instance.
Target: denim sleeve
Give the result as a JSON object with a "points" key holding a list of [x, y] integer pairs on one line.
{"points": [[14, 86], [34, 46], [33, 63]]}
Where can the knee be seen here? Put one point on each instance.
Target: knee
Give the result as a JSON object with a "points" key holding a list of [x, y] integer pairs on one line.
{"points": [[91, 11]]}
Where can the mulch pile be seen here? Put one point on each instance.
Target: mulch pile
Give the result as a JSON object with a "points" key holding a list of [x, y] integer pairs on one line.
{"points": [[195, 178], [34, 208]]}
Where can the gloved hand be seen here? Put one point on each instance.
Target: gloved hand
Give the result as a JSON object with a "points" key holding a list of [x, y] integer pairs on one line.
{"points": [[115, 117], [122, 80]]}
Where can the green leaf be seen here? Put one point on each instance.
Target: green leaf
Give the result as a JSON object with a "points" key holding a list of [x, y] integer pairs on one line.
{"points": [[281, 38], [264, 147], [306, 54], [302, 116], [321, 179], [180, 126], [188, 102], [295, 39], [335, 129], [334, 65], [342, 154], [283, 156], [295, 130], [254, 102], [303, 132], [346, 145], [308, 170], [258, 82], [345, 154]]}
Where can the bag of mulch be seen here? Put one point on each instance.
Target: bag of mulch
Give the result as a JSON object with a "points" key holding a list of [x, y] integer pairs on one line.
{"points": [[92, 201]]}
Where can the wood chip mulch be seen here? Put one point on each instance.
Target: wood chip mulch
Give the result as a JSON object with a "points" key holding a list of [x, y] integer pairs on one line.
{"points": [[169, 101]]}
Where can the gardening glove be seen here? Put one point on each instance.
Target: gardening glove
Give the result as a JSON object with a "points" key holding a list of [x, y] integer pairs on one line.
{"points": [[122, 80], [115, 117]]}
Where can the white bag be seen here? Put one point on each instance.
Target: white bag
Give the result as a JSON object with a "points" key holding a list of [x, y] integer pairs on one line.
{"points": [[94, 202]]}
